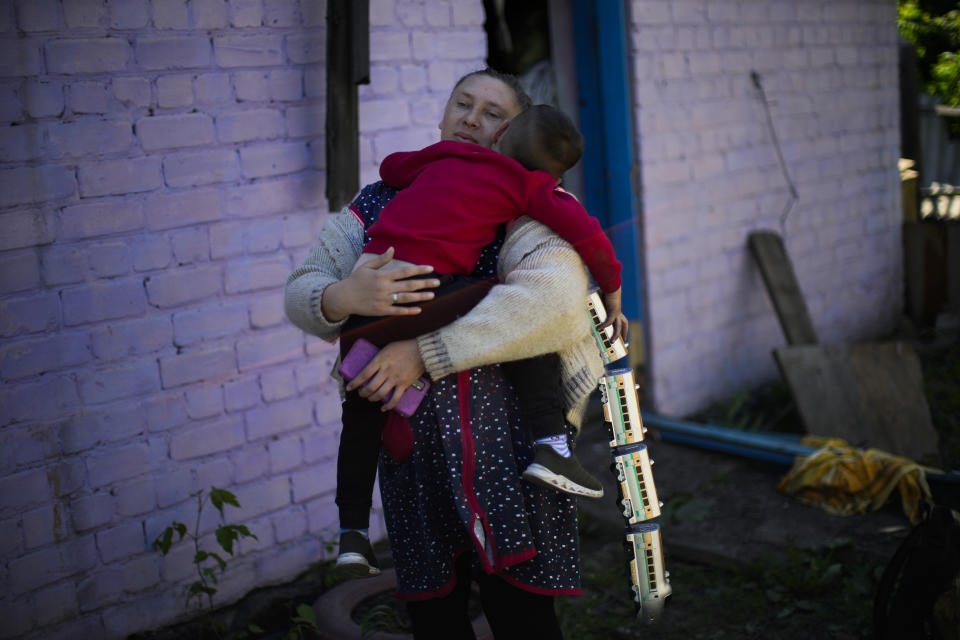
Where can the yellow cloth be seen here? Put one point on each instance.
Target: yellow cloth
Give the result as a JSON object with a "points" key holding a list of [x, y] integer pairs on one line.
{"points": [[844, 481]]}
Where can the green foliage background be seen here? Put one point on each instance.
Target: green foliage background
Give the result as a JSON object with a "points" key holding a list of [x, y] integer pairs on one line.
{"points": [[933, 26]]}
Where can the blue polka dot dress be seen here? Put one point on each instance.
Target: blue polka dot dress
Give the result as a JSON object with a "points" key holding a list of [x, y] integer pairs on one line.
{"points": [[460, 491]]}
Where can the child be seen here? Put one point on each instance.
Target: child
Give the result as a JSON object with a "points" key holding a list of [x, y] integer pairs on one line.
{"points": [[454, 196]]}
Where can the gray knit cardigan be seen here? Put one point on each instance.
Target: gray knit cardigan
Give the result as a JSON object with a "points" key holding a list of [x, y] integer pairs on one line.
{"points": [[540, 310]]}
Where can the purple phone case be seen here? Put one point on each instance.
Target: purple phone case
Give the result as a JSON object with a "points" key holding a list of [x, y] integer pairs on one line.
{"points": [[357, 358]]}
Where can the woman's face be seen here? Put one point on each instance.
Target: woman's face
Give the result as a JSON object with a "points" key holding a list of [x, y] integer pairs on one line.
{"points": [[476, 109]]}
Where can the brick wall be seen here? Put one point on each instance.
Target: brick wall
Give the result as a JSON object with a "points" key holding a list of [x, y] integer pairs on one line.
{"points": [[710, 176], [161, 172]]}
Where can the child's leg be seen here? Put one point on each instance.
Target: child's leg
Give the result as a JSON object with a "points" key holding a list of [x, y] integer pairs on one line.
{"points": [[538, 386]]}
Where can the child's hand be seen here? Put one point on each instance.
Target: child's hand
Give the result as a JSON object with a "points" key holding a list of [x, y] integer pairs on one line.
{"points": [[615, 317]]}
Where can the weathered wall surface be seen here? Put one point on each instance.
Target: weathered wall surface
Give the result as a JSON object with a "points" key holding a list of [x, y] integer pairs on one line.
{"points": [[161, 172], [710, 175]]}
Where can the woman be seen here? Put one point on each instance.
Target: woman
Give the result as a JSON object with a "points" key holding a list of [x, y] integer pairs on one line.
{"points": [[457, 509]]}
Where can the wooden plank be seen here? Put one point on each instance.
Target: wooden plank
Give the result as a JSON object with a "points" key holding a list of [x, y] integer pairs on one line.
{"points": [[342, 126], [871, 395], [777, 271]]}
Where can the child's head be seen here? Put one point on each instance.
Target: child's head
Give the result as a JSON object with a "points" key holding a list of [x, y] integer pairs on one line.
{"points": [[542, 137]]}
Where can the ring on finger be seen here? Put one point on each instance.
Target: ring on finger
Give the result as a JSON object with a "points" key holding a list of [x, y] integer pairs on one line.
{"points": [[395, 297]]}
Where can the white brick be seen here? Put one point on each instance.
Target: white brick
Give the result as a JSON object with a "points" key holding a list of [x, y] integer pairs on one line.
{"points": [[136, 379], [11, 106], [252, 86], [102, 588], [209, 14], [250, 463], [103, 217], [263, 198], [467, 14], [205, 402], [151, 252], [274, 159], [35, 184], [243, 277], [129, 14], [25, 228], [390, 46], [56, 603], [175, 288], [166, 132], [286, 85], [307, 120], [252, 124], [248, 50], [210, 438], [191, 245], [89, 137], [174, 91], [264, 497], [173, 52], [29, 314], [84, 14], [307, 48], [280, 13], [246, 13], [43, 98], [213, 88], [208, 323], [135, 498], [31, 357], [44, 526], [140, 573], [289, 524], [133, 338], [89, 97], [19, 271], [166, 211], [121, 541], [285, 454], [87, 55], [170, 14], [189, 367], [22, 143], [204, 167], [111, 424], [49, 399], [132, 90], [24, 489], [267, 313], [115, 177], [241, 394], [279, 417], [109, 259], [266, 348], [277, 384], [99, 301], [165, 411], [318, 479], [105, 467], [64, 265], [217, 472], [21, 57]]}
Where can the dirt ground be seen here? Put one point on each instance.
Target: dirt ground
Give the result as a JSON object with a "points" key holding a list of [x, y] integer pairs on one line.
{"points": [[745, 561]]}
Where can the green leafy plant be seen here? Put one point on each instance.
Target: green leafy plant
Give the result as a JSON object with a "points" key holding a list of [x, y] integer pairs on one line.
{"points": [[304, 619], [384, 618], [207, 563]]}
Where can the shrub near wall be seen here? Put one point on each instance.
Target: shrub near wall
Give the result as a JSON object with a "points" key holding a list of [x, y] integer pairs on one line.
{"points": [[161, 175]]}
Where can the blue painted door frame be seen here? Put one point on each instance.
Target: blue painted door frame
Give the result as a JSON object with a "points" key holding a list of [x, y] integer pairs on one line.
{"points": [[609, 165]]}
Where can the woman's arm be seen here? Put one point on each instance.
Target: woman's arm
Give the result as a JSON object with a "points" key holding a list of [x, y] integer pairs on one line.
{"points": [[539, 308], [325, 290]]}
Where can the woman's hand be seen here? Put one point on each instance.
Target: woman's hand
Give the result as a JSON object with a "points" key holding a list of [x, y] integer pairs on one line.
{"points": [[388, 375], [373, 291]]}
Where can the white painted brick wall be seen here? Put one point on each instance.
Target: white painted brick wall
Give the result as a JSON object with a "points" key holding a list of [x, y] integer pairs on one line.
{"points": [[710, 176], [164, 174]]}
